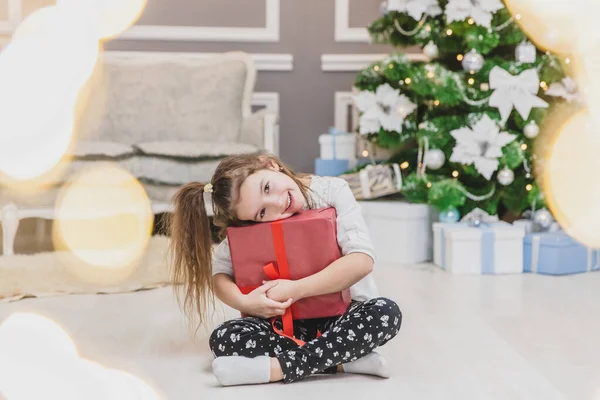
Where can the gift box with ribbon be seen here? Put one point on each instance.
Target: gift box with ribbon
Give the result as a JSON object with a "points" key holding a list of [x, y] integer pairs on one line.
{"points": [[337, 153], [556, 253], [478, 246], [292, 248]]}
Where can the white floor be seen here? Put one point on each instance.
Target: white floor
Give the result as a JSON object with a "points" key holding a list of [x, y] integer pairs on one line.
{"points": [[492, 337]]}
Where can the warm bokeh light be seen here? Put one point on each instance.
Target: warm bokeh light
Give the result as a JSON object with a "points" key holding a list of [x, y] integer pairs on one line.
{"points": [[551, 24], [38, 360], [42, 72], [104, 221], [571, 189], [34, 352], [108, 18], [74, 44]]}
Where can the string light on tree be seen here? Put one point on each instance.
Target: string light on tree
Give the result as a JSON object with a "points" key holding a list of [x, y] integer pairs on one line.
{"points": [[407, 81], [404, 165], [524, 146], [455, 174], [449, 32], [459, 57], [471, 81], [528, 187]]}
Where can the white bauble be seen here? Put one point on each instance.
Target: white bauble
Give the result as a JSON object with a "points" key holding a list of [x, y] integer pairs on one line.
{"points": [[472, 61], [431, 50], [531, 130], [434, 158], [525, 52], [506, 176], [383, 7], [543, 218]]}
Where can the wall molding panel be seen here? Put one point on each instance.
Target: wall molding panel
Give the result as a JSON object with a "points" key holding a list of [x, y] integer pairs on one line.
{"points": [[357, 62], [270, 33], [262, 61], [268, 100], [343, 32]]}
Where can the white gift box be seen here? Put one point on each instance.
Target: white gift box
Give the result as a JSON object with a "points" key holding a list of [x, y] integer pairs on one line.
{"points": [[495, 248], [401, 232], [345, 147]]}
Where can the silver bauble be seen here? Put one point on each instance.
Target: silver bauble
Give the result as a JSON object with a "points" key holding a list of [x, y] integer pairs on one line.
{"points": [[472, 61], [383, 7], [506, 176], [543, 218], [431, 50], [525, 53], [531, 130], [434, 158]]}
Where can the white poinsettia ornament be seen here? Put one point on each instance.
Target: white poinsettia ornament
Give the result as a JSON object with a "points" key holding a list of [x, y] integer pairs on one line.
{"points": [[566, 88], [415, 8], [386, 108], [480, 10], [480, 145]]}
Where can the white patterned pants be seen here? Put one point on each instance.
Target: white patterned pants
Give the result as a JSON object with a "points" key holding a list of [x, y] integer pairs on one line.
{"points": [[364, 327]]}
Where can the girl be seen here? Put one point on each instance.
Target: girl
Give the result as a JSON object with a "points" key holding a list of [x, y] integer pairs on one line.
{"points": [[248, 189]]}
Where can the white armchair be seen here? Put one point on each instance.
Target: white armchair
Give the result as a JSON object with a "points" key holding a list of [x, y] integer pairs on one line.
{"points": [[168, 118]]}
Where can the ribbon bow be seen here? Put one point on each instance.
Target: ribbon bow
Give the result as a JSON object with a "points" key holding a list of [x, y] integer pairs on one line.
{"points": [[518, 91], [478, 217]]}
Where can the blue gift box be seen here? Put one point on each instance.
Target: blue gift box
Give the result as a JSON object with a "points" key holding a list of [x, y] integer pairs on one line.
{"points": [[556, 253], [331, 167], [335, 166]]}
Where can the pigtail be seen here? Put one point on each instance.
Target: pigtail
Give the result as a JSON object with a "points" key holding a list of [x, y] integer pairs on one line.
{"points": [[191, 252]]}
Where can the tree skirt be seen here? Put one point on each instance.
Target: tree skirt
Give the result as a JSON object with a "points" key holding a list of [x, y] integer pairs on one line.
{"points": [[59, 273]]}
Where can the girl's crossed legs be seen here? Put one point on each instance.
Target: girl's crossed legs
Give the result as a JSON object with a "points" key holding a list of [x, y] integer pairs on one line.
{"points": [[346, 339]]}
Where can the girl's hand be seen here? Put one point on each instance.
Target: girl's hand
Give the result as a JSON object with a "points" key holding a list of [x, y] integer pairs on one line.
{"points": [[284, 289], [256, 303]]}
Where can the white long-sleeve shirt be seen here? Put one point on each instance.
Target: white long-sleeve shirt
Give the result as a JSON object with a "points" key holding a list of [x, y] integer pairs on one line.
{"points": [[352, 232]]}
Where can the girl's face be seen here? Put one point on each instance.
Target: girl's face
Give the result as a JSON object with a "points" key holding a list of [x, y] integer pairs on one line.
{"points": [[269, 195]]}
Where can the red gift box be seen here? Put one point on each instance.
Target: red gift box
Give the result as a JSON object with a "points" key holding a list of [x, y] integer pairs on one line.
{"points": [[292, 248]]}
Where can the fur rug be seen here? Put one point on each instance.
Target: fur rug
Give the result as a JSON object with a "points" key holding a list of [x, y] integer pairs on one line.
{"points": [[47, 274]]}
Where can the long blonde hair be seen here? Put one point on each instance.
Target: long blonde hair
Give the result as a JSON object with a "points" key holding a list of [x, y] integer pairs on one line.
{"points": [[189, 227]]}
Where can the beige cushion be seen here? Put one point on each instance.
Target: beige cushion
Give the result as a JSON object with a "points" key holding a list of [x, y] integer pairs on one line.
{"points": [[94, 149], [194, 150], [149, 100]]}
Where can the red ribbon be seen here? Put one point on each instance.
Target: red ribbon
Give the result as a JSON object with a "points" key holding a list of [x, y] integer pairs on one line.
{"points": [[282, 271]]}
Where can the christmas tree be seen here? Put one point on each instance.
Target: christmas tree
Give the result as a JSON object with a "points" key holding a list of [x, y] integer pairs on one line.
{"points": [[463, 122]]}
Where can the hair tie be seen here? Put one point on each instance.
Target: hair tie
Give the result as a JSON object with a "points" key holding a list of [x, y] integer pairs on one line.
{"points": [[208, 188]]}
